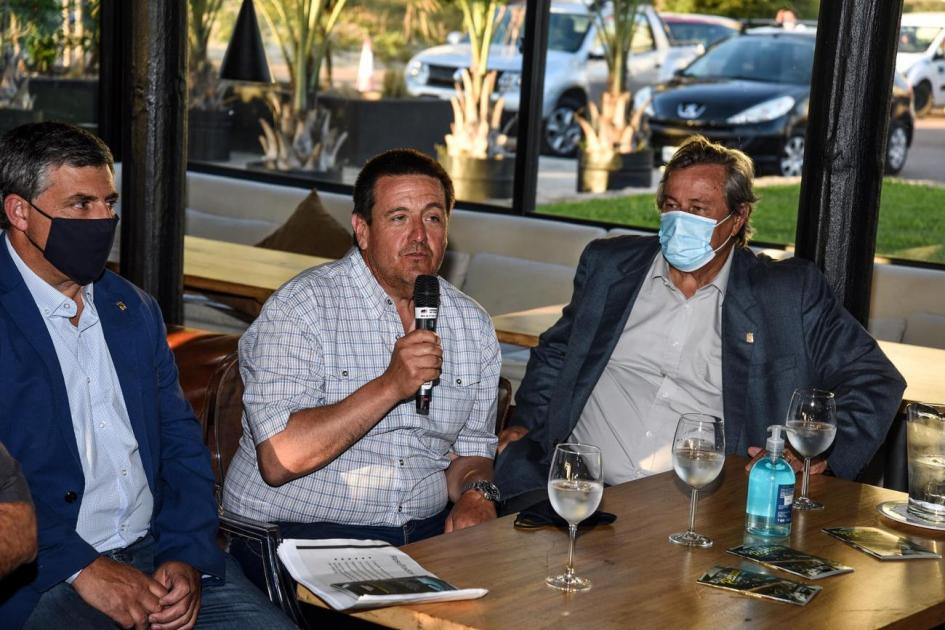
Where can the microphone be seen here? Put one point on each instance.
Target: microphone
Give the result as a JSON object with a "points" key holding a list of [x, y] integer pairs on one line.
{"points": [[426, 303]]}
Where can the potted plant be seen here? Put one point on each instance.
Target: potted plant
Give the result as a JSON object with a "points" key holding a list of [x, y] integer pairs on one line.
{"points": [[210, 120], [16, 101], [301, 136], [614, 152], [476, 153]]}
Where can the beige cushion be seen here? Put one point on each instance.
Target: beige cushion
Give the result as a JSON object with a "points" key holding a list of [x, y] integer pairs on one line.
{"points": [[925, 329], [502, 284], [520, 237], [887, 328], [311, 231]]}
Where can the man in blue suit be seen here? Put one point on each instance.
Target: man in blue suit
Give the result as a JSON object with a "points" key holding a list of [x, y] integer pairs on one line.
{"points": [[91, 407], [693, 321]]}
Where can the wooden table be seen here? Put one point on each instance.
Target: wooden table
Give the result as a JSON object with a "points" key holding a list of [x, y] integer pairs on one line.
{"points": [[641, 580], [242, 271], [922, 367]]}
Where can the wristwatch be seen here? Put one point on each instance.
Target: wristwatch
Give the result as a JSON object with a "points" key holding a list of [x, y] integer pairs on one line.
{"points": [[488, 489]]}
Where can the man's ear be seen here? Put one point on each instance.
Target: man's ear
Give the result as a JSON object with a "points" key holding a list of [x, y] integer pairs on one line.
{"points": [[16, 210], [361, 229], [742, 212]]}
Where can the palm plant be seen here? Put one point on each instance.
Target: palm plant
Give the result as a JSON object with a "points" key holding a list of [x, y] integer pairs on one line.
{"points": [[476, 129], [612, 128], [300, 137], [206, 90]]}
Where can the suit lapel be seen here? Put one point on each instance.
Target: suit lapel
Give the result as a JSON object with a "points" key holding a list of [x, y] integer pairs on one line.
{"points": [[739, 327], [19, 304], [118, 321]]}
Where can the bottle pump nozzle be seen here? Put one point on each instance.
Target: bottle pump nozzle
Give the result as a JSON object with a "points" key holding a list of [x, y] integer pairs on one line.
{"points": [[775, 443]]}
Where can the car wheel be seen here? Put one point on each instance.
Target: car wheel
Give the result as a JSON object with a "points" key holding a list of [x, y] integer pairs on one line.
{"points": [[922, 99], [897, 147], [791, 161], [562, 134]]}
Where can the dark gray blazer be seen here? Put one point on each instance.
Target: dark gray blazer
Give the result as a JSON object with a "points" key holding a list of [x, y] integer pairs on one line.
{"points": [[800, 337]]}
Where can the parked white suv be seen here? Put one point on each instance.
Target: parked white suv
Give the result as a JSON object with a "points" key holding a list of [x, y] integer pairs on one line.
{"points": [[575, 70], [921, 58]]}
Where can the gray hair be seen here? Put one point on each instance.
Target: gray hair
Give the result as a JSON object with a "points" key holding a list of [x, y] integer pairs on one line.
{"points": [[739, 173], [29, 152]]}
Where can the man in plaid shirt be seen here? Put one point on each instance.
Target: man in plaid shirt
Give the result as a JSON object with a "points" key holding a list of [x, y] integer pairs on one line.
{"points": [[332, 444]]}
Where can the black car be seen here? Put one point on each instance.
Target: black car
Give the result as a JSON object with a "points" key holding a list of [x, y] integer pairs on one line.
{"points": [[751, 92]]}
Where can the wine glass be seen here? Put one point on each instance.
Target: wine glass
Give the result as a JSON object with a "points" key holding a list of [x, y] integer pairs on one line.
{"points": [[698, 455], [575, 488], [811, 426]]}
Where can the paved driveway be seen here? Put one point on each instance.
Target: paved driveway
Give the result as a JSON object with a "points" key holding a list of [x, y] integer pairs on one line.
{"points": [[927, 155]]}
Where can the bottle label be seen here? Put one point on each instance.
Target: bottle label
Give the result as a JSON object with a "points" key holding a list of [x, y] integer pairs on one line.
{"points": [[785, 499]]}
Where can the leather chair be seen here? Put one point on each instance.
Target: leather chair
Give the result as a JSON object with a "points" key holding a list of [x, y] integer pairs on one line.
{"points": [[208, 365]]}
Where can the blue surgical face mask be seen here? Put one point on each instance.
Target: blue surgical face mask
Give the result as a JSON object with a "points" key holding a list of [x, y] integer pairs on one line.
{"points": [[686, 239]]}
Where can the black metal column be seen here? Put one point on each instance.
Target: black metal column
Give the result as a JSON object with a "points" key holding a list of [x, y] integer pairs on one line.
{"points": [[528, 147], [844, 157], [113, 51], [154, 137]]}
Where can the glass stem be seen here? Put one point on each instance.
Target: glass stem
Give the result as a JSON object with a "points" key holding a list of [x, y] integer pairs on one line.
{"points": [[806, 477], [572, 531], [692, 511]]}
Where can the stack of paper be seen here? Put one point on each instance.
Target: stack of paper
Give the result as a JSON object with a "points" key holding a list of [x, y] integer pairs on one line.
{"points": [[348, 574]]}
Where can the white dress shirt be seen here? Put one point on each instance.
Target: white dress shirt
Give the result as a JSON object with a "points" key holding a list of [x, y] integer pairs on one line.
{"points": [[667, 362], [117, 502]]}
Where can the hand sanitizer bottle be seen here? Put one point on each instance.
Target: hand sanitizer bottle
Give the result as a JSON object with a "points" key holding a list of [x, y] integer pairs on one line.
{"points": [[770, 490]]}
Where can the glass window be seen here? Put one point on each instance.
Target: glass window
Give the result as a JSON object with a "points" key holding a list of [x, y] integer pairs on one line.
{"points": [[642, 37], [917, 39], [48, 62], [380, 75]]}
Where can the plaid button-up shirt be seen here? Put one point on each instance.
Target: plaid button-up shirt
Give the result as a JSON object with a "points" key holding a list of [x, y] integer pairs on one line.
{"points": [[319, 338]]}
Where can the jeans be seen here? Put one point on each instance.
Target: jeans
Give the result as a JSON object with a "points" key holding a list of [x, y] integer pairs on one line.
{"points": [[250, 559], [229, 603]]}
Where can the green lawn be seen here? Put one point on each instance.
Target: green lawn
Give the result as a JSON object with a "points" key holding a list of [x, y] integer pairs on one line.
{"points": [[911, 216]]}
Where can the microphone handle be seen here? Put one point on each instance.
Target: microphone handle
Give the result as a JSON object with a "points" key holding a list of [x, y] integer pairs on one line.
{"points": [[425, 393]]}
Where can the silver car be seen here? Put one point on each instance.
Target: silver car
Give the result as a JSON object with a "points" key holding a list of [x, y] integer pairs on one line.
{"points": [[575, 71]]}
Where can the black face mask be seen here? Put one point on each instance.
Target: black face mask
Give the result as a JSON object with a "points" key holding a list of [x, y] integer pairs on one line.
{"points": [[78, 248]]}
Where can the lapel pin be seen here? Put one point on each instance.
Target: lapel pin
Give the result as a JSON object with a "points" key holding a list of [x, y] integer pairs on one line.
{"points": [[121, 306], [750, 337]]}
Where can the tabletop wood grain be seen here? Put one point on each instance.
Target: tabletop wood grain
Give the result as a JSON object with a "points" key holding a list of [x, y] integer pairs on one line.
{"points": [[239, 270], [641, 580]]}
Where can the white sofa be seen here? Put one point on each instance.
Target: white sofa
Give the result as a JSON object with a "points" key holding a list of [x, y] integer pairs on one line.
{"points": [[509, 263]]}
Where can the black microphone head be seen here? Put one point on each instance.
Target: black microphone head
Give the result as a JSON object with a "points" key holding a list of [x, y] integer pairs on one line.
{"points": [[426, 292]]}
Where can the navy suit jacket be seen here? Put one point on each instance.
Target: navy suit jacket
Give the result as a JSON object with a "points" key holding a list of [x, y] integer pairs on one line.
{"points": [[36, 427], [800, 336]]}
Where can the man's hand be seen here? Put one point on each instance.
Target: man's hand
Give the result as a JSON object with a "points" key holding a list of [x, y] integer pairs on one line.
{"points": [[471, 509], [120, 591], [182, 602], [817, 465], [417, 359], [509, 435]]}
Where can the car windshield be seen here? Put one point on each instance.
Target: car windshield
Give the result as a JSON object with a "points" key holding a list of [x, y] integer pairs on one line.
{"points": [[566, 31], [772, 59], [698, 32], [917, 39]]}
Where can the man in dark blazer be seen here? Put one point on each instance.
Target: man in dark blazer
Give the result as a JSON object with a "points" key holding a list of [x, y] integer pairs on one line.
{"points": [[770, 327], [91, 407]]}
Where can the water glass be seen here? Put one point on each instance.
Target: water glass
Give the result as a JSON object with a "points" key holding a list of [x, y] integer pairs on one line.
{"points": [[698, 455]]}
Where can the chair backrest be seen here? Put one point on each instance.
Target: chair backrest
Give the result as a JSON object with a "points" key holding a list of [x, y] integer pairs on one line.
{"points": [[504, 404], [224, 417], [198, 353]]}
